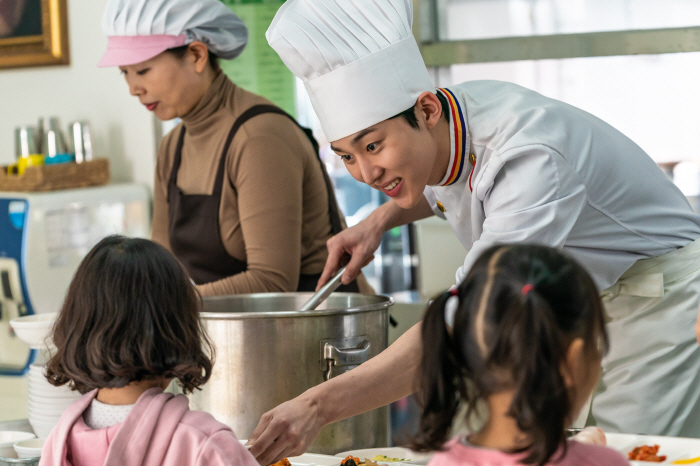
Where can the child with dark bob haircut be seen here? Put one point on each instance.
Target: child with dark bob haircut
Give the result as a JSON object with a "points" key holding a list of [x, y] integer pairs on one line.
{"points": [[522, 336], [128, 326]]}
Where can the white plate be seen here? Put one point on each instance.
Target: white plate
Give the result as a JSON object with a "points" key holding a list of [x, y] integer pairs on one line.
{"points": [[674, 448], [410, 456], [314, 458]]}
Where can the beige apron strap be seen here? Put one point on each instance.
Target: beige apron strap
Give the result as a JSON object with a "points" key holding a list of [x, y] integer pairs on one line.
{"points": [[645, 286], [647, 277]]}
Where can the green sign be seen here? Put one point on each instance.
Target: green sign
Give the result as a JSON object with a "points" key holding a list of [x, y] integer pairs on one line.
{"points": [[259, 69]]}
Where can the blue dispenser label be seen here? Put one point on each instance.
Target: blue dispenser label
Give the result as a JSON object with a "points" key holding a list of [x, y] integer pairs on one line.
{"points": [[17, 211]]}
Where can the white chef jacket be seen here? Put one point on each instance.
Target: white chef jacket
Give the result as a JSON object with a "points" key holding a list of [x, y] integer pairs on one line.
{"points": [[549, 173]]}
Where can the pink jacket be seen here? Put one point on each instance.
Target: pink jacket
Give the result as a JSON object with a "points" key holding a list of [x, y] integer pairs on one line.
{"points": [[577, 454], [159, 430]]}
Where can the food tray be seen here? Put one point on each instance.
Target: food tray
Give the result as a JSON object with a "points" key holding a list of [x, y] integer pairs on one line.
{"points": [[57, 176], [674, 448]]}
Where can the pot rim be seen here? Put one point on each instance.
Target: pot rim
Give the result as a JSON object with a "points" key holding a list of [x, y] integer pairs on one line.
{"points": [[387, 302]]}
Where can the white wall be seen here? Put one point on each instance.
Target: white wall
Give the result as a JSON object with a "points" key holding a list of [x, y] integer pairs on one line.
{"points": [[123, 129]]}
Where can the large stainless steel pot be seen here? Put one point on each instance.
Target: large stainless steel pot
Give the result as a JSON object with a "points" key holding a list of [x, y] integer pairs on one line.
{"points": [[267, 352]]}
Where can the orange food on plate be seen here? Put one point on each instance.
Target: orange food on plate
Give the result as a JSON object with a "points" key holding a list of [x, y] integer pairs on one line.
{"points": [[350, 461], [647, 453], [282, 462]]}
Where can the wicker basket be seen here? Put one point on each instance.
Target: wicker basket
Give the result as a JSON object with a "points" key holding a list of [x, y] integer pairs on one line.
{"points": [[57, 176]]}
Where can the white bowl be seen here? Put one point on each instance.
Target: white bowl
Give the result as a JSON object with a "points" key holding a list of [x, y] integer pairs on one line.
{"points": [[34, 329], [39, 383], [42, 429], [49, 409], [44, 385], [29, 448], [9, 438], [37, 380], [39, 391], [49, 396], [53, 413]]}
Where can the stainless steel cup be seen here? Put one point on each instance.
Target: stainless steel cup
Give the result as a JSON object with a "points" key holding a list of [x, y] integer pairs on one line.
{"points": [[54, 141], [25, 144], [82, 140], [41, 130]]}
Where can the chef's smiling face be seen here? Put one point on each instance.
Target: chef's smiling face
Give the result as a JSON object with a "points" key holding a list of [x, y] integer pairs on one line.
{"points": [[168, 85], [398, 159]]}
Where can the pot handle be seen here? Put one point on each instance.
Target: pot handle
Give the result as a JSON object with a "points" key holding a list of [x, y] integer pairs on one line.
{"points": [[337, 357]]}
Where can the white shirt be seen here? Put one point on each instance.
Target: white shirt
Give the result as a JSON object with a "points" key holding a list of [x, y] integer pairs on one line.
{"points": [[552, 174], [100, 415]]}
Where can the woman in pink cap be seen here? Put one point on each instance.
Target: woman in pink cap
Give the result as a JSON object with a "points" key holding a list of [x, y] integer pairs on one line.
{"points": [[245, 207]]}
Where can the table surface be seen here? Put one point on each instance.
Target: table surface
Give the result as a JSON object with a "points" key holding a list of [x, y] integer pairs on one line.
{"points": [[13, 398]]}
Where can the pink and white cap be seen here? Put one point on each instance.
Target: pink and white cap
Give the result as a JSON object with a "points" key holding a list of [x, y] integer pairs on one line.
{"points": [[138, 30]]}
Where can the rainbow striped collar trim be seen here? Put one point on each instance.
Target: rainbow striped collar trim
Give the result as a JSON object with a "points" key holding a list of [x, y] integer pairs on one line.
{"points": [[458, 138]]}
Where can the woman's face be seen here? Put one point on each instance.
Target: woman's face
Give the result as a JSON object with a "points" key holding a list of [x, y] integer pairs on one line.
{"points": [[167, 85]]}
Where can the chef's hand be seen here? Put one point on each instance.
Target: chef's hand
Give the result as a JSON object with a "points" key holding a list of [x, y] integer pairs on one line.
{"points": [[359, 242], [363, 239], [287, 430]]}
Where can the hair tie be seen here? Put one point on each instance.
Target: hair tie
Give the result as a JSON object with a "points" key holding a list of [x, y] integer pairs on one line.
{"points": [[527, 288], [451, 306]]}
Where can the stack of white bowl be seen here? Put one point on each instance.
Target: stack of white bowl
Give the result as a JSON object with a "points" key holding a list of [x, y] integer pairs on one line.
{"points": [[46, 402]]}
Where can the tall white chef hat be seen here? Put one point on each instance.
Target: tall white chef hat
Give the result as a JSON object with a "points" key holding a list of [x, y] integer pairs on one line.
{"points": [[138, 30], [358, 59]]}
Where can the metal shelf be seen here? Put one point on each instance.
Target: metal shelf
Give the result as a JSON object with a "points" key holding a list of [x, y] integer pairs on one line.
{"points": [[592, 44]]}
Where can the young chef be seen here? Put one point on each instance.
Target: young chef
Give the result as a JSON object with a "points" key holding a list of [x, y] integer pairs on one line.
{"points": [[244, 204], [501, 164]]}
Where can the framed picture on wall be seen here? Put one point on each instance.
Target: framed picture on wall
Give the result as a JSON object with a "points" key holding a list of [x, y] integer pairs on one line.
{"points": [[33, 33]]}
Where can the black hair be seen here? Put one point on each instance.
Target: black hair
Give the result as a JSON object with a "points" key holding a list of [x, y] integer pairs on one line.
{"points": [[131, 314], [518, 310], [180, 52], [410, 113]]}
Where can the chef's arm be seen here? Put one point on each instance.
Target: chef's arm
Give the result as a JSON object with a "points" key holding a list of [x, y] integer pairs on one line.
{"points": [[290, 428], [361, 240]]}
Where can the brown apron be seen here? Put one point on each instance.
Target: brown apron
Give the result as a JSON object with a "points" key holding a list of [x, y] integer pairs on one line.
{"points": [[193, 219]]}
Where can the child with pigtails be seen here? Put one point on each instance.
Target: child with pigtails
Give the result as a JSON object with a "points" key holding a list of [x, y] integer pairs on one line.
{"points": [[523, 336]]}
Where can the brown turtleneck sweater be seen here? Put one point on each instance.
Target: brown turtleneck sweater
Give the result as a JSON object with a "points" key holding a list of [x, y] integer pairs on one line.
{"points": [[274, 206]]}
